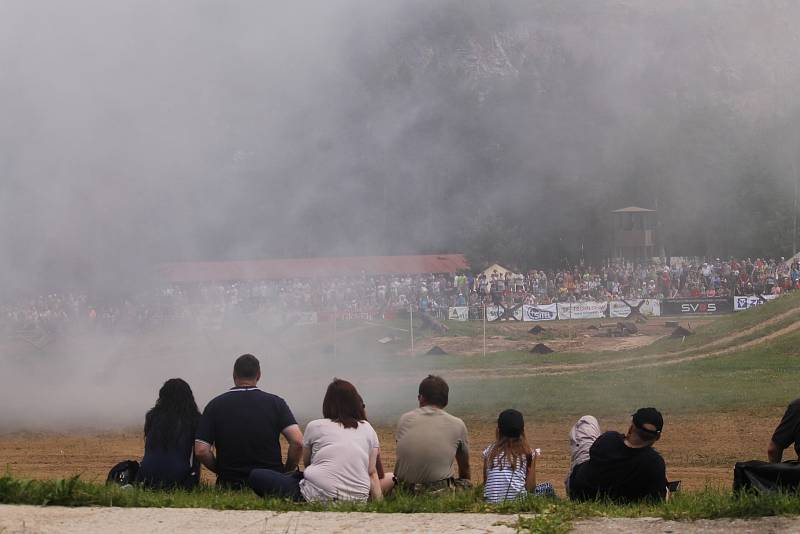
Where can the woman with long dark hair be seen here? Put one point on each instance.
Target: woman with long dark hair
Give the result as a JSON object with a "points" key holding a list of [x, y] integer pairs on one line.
{"points": [[340, 454], [169, 429]]}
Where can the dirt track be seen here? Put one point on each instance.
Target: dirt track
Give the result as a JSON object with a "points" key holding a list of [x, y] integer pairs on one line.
{"points": [[698, 450], [649, 360]]}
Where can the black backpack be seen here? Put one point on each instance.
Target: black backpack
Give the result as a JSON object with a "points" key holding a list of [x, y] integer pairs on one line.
{"points": [[123, 473]]}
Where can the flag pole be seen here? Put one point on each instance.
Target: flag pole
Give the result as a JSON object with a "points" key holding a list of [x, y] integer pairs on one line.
{"points": [[411, 325], [484, 330]]}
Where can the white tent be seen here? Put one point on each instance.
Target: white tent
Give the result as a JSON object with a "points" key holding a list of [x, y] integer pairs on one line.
{"points": [[496, 269]]}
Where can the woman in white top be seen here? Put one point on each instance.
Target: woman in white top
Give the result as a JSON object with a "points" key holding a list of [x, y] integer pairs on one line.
{"points": [[340, 453]]}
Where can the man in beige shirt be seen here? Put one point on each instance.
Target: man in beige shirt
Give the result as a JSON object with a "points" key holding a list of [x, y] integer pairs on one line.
{"points": [[429, 439]]}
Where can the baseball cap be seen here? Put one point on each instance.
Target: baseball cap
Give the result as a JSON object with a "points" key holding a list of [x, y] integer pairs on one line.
{"points": [[511, 423], [644, 416]]}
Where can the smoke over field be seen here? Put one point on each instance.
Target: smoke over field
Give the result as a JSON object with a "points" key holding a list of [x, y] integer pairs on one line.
{"points": [[140, 132]]}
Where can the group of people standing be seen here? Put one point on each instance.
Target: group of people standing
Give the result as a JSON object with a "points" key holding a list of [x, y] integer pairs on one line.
{"points": [[237, 437]]}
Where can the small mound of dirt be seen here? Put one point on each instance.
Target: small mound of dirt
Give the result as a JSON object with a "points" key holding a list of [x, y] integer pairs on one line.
{"points": [[592, 327], [541, 348], [536, 330], [436, 350], [681, 332], [628, 328]]}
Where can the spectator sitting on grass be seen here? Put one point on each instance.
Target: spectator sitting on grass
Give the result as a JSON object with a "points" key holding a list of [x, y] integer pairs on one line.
{"points": [[244, 424], [786, 433], [509, 464], [169, 429], [428, 441], [340, 453], [621, 467]]}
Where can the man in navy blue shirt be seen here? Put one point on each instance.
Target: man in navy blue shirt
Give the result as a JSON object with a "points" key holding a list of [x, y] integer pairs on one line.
{"points": [[244, 425]]}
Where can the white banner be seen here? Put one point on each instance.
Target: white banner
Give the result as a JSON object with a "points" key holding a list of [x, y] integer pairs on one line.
{"points": [[582, 310], [542, 312], [743, 303], [494, 313], [458, 313], [648, 307]]}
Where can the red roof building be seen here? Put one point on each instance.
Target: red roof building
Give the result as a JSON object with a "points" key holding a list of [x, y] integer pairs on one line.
{"points": [[229, 271]]}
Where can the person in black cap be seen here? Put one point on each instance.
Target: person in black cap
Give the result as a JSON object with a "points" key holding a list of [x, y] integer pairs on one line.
{"points": [[509, 464], [621, 467], [786, 433]]}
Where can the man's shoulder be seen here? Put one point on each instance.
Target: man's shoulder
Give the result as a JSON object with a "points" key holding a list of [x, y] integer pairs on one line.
{"points": [[236, 395]]}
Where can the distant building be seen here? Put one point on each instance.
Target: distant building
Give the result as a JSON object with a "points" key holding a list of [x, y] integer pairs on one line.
{"points": [[634, 236], [306, 268]]}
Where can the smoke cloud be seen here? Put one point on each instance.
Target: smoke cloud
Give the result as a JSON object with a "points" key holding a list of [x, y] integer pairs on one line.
{"points": [[140, 132]]}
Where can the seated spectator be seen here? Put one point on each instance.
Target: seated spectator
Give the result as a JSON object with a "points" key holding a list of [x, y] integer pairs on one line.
{"points": [[244, 424], [169, 429], [621, 467], [786, 433], [509, 464], [429, 440], [340, 453]]}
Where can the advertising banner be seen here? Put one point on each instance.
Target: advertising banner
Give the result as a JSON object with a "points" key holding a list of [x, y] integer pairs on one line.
{"points": [[647, 307], [743, 303], [705, 306], [495, 313], [458, 313], [542, 312], [582, 310]]}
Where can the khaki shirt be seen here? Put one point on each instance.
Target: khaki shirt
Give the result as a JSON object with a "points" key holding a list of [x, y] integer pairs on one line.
{"points": [[427, 441]]}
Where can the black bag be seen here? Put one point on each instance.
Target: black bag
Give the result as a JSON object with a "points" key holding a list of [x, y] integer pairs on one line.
{"points": [[123, 473], [765, 477]]}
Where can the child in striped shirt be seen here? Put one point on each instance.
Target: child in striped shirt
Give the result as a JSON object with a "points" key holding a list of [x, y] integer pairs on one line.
{"points": [[509, 464]]}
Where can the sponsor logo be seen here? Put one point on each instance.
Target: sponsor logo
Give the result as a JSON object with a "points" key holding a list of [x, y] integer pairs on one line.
{"points": [[699, 308], [538, 315]]}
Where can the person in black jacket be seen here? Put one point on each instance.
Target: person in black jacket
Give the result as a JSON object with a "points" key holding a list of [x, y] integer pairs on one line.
{"points": [[169, 430], [620, 467], [786, 433]]}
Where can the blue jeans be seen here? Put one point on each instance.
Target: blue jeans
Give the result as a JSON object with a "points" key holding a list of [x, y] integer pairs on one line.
{"points": [[269, 483]]}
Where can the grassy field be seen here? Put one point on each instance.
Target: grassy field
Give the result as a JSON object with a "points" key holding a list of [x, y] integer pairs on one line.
{"points": [[740, 367], [546, 515]]}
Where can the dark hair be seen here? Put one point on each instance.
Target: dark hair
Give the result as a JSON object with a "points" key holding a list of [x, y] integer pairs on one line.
{"points": [[646, 435], [174, 417], [246, 367], [343, 404], [434, 390], [511, 445]]}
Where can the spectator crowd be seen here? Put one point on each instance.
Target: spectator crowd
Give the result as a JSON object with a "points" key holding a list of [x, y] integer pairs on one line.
{"points": [[374, 296]]}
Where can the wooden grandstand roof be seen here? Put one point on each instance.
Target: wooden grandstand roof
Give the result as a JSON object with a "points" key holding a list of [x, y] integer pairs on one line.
{"points": [[228, 271]]}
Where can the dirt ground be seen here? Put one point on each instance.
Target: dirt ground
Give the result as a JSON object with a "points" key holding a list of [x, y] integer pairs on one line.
{"points": [[561, 336], [699, 450]]}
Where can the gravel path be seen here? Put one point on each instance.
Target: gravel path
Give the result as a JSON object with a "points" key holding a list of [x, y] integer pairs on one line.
{"points": [[36, 520]]}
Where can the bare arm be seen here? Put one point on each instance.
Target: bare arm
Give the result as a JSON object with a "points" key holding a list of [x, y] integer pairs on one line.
{"points": [[462, 459], [774, 453], [374, 481], [379, 466], [205, 454], [294, 436], [530, 480]]}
